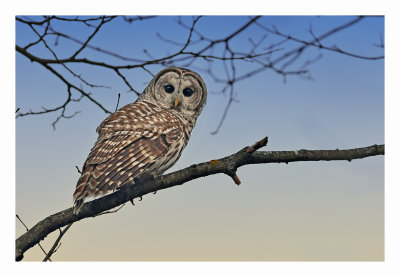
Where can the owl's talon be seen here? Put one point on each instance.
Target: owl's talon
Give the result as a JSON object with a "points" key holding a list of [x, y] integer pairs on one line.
{"points": [[132, 202], [140, 199]]}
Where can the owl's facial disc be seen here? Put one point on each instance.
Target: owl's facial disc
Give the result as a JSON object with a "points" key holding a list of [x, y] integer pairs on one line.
{"points": [[181, 91]]}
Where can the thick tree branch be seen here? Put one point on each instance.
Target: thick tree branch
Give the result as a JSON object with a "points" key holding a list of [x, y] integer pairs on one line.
{"points": [[227, 165], [27, 229]]}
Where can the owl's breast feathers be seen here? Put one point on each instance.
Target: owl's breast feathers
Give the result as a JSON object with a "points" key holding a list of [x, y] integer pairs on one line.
{"points": [[138, 138]]}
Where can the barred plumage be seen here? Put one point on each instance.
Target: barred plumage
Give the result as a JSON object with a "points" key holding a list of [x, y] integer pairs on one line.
{"points": [[146, 136]]}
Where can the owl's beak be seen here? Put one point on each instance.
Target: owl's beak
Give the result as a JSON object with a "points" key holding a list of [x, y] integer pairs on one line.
{"points": [[176, 103]]}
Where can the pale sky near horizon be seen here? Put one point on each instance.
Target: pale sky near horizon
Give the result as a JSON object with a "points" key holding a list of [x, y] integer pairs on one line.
{"points": [[306, 211]]}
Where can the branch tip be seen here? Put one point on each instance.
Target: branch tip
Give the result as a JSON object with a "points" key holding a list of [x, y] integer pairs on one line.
{"points": [[236, 179], [77, 168], [257, 145]]}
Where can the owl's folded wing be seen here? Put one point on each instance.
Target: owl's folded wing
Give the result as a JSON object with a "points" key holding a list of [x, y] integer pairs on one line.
{"points": [[135, 138], [120, 158]]}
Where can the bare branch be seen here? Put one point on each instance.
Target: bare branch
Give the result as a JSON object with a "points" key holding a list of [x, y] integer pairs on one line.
{"points": [[299, 49], [140, 18], [316, 42], [218, 51], [32, 22], [62, 115], [116, 107], [56, 244], [257, 145], [227, 165], [69, 85], [103, 21], [113, 211], [126, 82], [27, 229], [77, 168]]}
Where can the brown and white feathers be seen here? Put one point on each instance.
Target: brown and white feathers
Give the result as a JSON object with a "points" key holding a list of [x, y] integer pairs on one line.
{"points": [[146, 136]]}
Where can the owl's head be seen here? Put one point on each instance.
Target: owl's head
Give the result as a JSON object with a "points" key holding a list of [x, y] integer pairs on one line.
{"points": [[177, 89]]}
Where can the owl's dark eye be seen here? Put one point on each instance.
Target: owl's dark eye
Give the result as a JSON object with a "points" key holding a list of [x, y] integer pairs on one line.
{"points": [[187, 92], [169, 88]]}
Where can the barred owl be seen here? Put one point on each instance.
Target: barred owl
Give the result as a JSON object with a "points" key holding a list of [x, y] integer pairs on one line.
{"points": [[144, 137]]}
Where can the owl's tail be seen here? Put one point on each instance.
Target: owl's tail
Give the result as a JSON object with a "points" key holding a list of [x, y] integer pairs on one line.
{"points": [[82, 188], [87, 186]]}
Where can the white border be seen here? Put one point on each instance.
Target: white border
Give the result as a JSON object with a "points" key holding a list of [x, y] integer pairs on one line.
{"points": [[387, 268]]}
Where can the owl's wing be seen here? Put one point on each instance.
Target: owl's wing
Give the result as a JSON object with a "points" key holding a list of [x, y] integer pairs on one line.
{"points": [[130, 123], [128, 144], [107, 170]]}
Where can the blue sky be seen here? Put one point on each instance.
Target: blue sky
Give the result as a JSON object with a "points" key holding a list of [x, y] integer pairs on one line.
{"points": [[300, 211]]}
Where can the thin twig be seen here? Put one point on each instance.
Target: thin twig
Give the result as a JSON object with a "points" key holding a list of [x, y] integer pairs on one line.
{"points": [[77, 168], [57, 243], [114, 211], [26, 227], [116, 107], [216, 50]]}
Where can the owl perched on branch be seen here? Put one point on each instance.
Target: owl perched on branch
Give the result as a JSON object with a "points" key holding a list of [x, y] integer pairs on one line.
{"points": [[144, 137]]}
